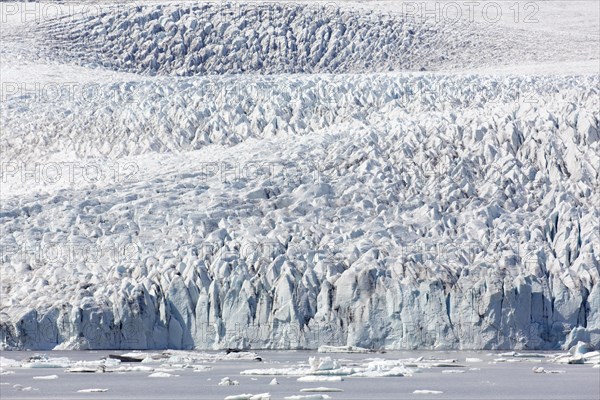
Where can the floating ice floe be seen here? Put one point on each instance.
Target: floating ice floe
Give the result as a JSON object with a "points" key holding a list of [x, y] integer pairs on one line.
{"points": [[228, 382], [42, 361], [581, 348], [87, 370], [383, 373], [275, 371], [343, 349], [321, 389], [453, 371], [168, 369], [127, 358], [328, 367], [542, 370], [274, 382], [161, 375], [323, 364], [22, 388], [136, 368], [46, 377], [422, 362], [8, 362], [519, 358], [105, 364], [522, 355], [440, 365], [473, 360], [582, 353], [308, 397], [92, 390], [248, 396], [4, 372], [425, 391], [261, 396], [184, 359]]}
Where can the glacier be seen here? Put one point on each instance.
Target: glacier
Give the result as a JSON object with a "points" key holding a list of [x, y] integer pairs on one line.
{"points": [[306, 187]]}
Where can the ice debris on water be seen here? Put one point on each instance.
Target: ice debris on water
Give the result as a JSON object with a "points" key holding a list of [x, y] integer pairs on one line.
{"points": [[542, 370], [321, 389], [260, 396], [227, 381], [161, 375], [46, 377]]}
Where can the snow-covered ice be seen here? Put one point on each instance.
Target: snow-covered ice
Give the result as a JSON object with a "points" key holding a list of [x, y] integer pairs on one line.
{"points": [[183, 267]]}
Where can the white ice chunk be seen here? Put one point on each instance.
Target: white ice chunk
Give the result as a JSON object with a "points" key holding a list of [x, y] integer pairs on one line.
{"points": [[228, 382], [9, 362], [161, 375], [342, 349], [46, 377], [321, 389], [248, 396]]}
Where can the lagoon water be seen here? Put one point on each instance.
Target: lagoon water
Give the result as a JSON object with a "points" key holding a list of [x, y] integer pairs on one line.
{"points": [[510, 378]]}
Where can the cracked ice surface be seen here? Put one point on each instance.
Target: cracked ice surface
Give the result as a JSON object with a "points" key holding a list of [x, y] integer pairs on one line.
{"points": [[348, 231], [231, 38]]}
